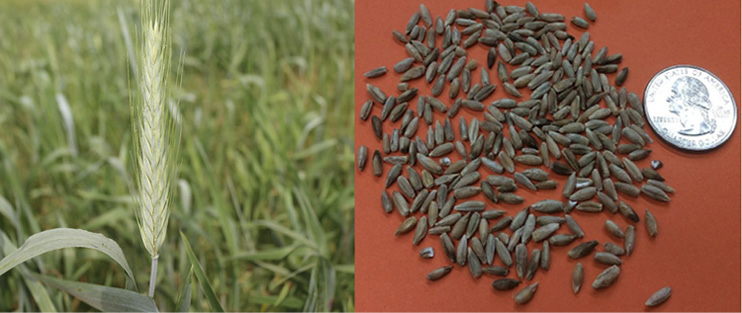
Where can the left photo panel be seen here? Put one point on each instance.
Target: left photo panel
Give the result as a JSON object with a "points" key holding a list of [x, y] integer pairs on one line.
{"points": [[183, 155]]}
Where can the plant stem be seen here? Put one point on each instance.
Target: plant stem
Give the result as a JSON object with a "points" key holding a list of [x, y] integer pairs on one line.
{"points": [[153, 276]]}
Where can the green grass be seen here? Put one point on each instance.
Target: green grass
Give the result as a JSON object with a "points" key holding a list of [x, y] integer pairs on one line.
{"points": [[266, 166]]}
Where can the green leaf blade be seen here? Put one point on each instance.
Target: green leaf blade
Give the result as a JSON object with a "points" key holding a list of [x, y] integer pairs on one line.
{"points": [[106, 299], [60, 238], [202, 279]]}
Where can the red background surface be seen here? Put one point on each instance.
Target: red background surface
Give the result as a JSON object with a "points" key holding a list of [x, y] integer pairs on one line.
{"points": [[697, 251]]}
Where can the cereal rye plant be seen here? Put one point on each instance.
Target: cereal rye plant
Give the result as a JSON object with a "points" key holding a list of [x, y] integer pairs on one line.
{"points": [[154, 131]]}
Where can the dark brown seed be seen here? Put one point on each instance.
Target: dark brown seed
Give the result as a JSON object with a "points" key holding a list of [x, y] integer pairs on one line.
{"points": [[561, 168], [651, 223], [526, 294], [656, 164], [606, 278], [577, 276], [439, 273], [582, 249], [659, 297], [505, 284]]}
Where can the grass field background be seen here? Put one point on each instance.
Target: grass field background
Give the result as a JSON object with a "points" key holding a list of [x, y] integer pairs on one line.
{"points": [[265, 194]]}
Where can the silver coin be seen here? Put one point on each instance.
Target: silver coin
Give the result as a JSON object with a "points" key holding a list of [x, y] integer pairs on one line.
{"points": [[690, 108]]}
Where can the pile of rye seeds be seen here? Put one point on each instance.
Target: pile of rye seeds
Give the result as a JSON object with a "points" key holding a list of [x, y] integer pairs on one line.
{"points": [[563, 128]]}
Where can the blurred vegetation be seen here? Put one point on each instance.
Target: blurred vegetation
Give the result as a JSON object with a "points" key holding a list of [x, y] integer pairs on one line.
{"points": [[265, 107]]}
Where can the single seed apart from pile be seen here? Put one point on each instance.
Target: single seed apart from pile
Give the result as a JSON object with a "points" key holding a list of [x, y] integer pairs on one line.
{"points": [[379, 71], [630, 239], [362, 157], [659, 297], [577, 276], [590, 13], [651, 223], [439, 273], [526, 294]]}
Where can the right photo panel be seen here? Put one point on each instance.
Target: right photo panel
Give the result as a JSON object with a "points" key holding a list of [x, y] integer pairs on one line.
{"points": [[547, 155]]}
